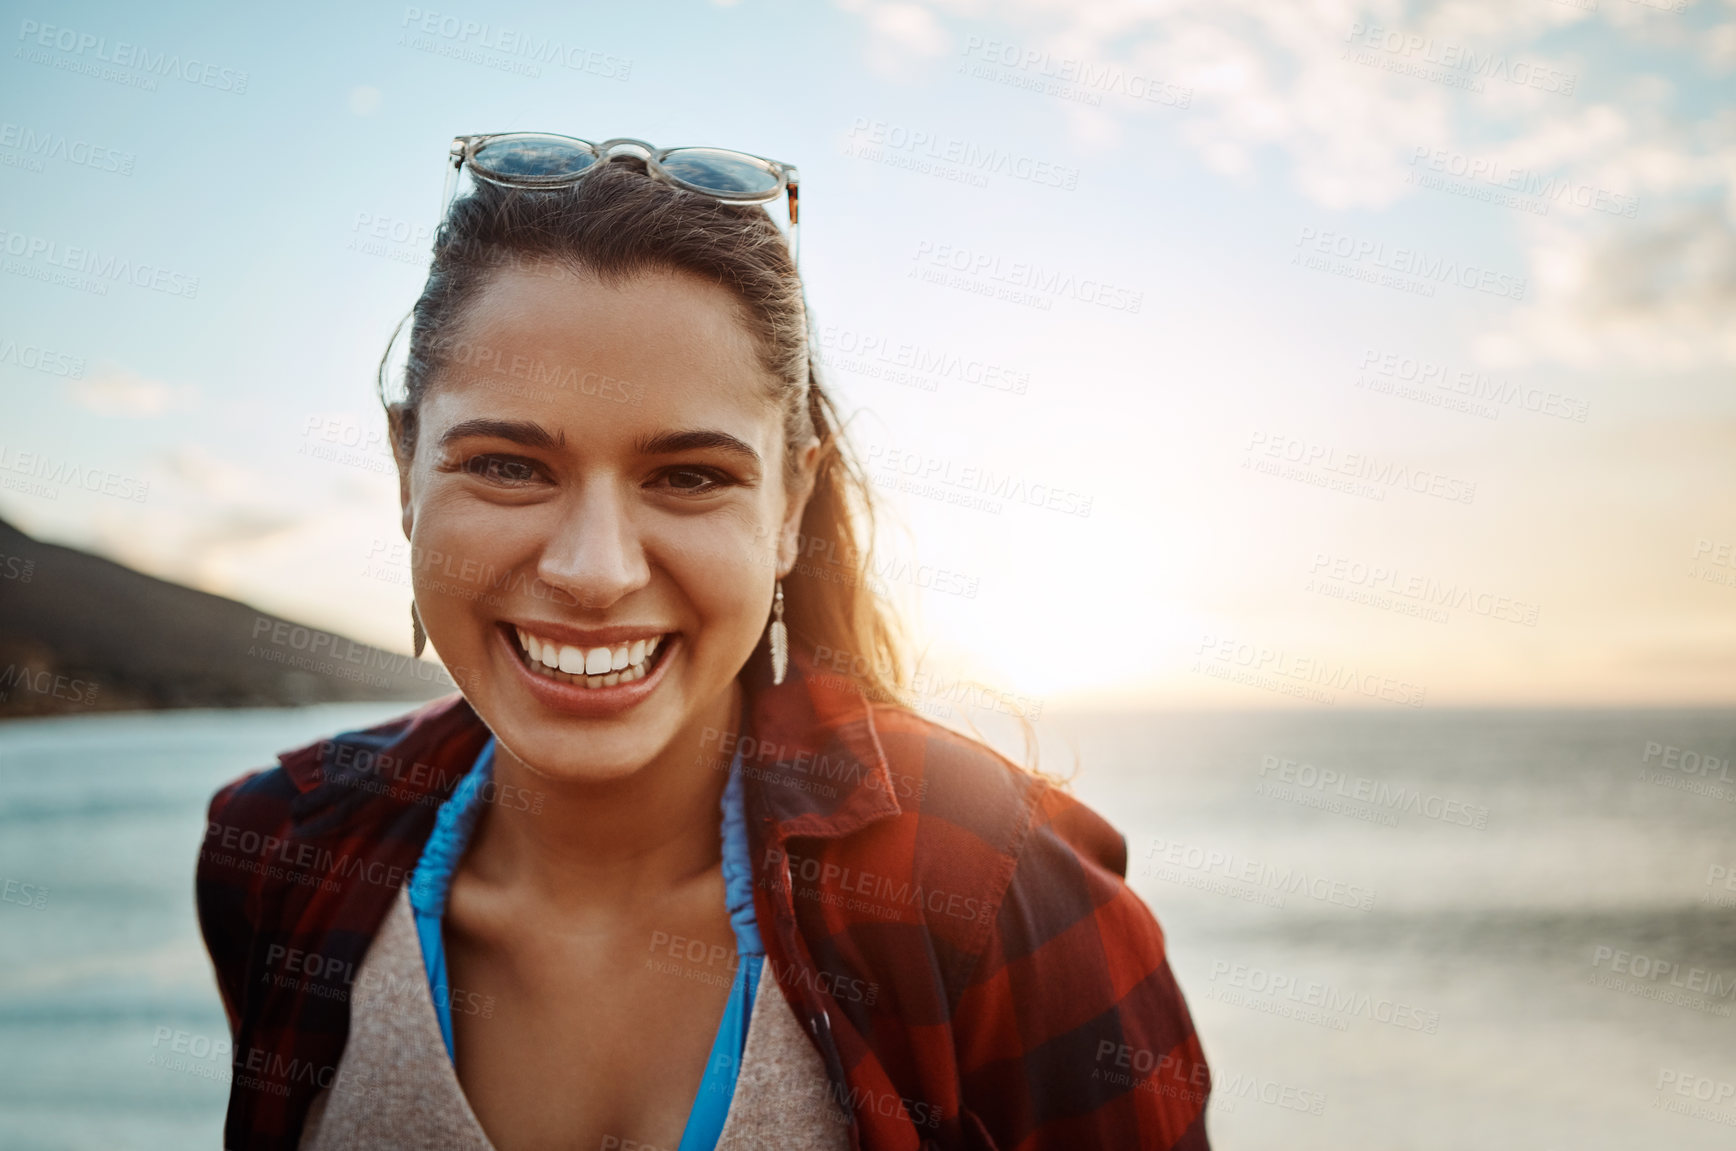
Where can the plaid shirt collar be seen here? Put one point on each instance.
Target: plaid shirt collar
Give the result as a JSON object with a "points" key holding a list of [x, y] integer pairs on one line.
{"points": [[813, 724], [368, 798]]}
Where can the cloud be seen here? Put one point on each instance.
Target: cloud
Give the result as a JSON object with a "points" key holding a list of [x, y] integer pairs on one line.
{"points": [[120, 394], [365, 100], [1618, 291], [1660, 293], [901, 35]]}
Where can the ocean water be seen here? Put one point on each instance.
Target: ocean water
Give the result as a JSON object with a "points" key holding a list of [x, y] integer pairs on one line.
{"points": [[1417, 931]]}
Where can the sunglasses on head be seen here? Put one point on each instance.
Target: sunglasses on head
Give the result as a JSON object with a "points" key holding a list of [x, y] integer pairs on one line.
{"points": [[544, 160]]}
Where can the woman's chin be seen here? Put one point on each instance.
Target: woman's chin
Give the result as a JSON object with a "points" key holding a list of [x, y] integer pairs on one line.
{"points": [[550, 755]]}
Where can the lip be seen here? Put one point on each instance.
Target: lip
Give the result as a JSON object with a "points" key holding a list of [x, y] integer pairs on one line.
{"points": [[587, 702], [589, 637]]}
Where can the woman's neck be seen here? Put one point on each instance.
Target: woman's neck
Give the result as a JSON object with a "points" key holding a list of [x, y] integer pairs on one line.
{"points": [[611, 845]]}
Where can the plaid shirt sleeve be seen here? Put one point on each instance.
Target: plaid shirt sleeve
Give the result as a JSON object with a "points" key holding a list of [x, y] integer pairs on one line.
{"points": [[1020, 995], [1071, 1031], [225, 896]]}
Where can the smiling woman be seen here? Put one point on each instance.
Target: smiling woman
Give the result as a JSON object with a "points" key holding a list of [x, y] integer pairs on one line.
{"points": [[650, 881]]}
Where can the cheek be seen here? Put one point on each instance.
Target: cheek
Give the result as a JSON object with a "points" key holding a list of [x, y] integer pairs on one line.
{"points": [[466, 560], [722, 569]]}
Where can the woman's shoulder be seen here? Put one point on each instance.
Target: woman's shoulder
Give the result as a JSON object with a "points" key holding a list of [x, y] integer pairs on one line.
{"points": [[388, 758], [941, 773], [331, 783]]}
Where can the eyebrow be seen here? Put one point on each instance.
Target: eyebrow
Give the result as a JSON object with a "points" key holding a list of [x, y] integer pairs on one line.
{"points": [[669, 443], [662, 444], [518, 431]]}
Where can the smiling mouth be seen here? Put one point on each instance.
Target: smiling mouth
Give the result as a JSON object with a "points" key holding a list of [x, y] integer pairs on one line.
{"points": [[591, 667]]}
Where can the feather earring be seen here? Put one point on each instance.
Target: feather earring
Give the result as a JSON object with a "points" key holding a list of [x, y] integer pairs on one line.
{"points": [[418, 637], [780, 637]]}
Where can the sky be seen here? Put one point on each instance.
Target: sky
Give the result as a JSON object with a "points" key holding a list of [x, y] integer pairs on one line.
{"points": [[1210, 353]]}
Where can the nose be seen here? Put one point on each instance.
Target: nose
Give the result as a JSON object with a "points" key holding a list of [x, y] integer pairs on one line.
{"points": [[595, 555]]}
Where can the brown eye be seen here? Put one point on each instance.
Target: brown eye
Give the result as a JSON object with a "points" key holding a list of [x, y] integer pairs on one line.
{"points": [[698, 481], [501, 469]]}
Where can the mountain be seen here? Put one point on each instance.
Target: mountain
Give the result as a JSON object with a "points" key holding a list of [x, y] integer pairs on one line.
{"points": [[80, 633]]}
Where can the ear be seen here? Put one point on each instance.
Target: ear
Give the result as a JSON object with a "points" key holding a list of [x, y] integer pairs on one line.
{"points": [[790, 536], [401, 430]]}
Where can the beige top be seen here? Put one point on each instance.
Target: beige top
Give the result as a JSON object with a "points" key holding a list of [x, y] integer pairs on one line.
{"points": [[396, 1087]]}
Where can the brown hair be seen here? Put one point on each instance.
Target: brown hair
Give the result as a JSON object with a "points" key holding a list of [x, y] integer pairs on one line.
{"points": [[617, 223]]}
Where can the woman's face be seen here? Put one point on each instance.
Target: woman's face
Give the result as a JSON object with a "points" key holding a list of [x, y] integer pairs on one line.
{"points": [[597, 482]]}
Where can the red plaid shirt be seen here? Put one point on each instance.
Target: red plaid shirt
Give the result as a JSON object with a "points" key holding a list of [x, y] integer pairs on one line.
{"points": [[955, 934]]}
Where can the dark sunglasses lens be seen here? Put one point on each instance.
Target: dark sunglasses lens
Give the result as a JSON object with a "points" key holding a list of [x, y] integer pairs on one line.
{"points": [[721, 171], [534, 158]]}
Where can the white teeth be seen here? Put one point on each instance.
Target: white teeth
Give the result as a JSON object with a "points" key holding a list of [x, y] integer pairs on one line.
{"points": [[595, 667]]}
